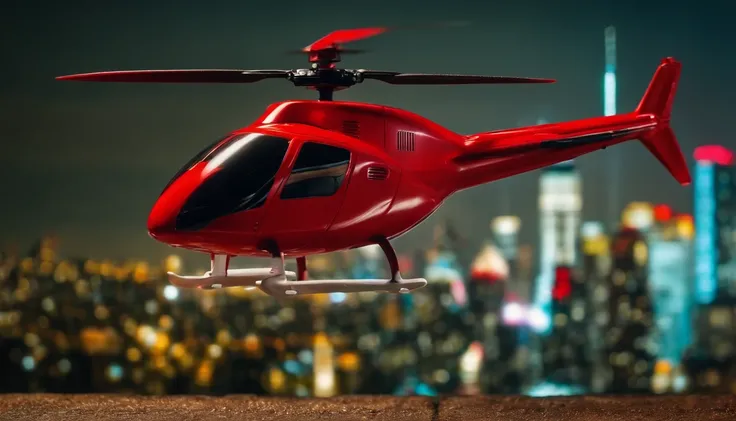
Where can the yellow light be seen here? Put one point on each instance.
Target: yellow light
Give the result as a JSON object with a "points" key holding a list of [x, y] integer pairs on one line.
{"points": [[173, 263], [91, 267], [223, 337], [203, 376], [130, 327], [26, 265], [321, 339], [214, 351], [159, 362], [662, 367], [93, 340], [640, 252], [47, 254], [101, 312], [133, 354], [186, 361], [46, 268], [177, 350], [120, 273], [349, 361], [685, 227], [390, 315], [596, 246], [146, 335], [140, 273], [166, 322], [39, 353], [251, 343], [162, 344], [106, 268], [276, 379]]}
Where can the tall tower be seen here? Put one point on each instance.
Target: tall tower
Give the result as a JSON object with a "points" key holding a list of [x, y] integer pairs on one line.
{"points": [[560, 203], [714, 206], [506, 235], [609, 77], [609, 108]]}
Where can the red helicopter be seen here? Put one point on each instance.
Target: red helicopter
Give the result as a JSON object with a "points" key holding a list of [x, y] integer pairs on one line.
{"points": [[311, 177]]}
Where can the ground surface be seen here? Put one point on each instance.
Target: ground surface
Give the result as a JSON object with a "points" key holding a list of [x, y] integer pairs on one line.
{"points": [[184, 408]]}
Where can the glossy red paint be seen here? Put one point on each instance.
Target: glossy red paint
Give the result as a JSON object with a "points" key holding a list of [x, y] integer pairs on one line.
{"points": [[421, 163]]}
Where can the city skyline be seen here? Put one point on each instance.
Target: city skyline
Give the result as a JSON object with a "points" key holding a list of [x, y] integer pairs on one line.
{"points": [[87, 161]]}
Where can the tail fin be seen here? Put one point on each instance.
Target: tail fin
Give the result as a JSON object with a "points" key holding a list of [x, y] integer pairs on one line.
{"points": [[657, 102]]}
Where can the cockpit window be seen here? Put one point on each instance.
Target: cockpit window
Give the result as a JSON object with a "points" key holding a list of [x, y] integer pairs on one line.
{"points": [[195, 160], [244, 169], [318, 171]]}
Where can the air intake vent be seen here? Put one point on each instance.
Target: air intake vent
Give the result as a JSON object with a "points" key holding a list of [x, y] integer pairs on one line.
{"points": [[377, 173], [405, 141], [351, 128]]}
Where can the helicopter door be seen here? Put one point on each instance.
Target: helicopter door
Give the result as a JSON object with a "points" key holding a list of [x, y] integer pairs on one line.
{"points": [[312, 193]]}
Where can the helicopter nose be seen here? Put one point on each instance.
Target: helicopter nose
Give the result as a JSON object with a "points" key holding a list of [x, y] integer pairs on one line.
{"points": [[162, 220]]}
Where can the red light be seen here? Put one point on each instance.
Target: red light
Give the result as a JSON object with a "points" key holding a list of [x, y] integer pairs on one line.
{"points": [[662, 213], [563, 285], [716, 154]]}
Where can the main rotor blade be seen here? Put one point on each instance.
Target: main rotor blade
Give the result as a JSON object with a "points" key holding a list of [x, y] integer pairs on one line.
{"points": [[396, 78], [342, 51], [179, 76], [342, 36]]}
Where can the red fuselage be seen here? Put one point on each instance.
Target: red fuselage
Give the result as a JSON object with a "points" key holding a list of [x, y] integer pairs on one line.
{"points": [[313, 177], [397, 172]]}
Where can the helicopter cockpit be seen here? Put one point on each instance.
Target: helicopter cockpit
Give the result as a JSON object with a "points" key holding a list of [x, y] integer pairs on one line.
{"points": [[238, 172]]}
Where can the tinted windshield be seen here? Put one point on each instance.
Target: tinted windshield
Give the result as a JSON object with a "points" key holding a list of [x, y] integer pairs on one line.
{"points": [[196, 159], [246, 167]]}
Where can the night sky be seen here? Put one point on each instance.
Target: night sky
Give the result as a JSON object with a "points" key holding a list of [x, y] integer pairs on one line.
{"points": [[86, 161]]}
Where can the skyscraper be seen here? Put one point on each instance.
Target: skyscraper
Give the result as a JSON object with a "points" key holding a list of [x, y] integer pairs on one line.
{"points": [[609, 77], [506, 236], [715, 221], [630, 324], [496, 340], [564, 354], [711, 361], [596, 264], [669, 276], [560, 203], [609, 108]]}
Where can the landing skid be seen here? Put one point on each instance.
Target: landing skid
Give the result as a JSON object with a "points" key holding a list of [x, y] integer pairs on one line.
{"points": [[234, 278], [280, 283], [278, 286]]}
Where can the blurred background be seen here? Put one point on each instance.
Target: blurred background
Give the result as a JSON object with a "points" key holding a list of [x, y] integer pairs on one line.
{"points": [[601, 275]]}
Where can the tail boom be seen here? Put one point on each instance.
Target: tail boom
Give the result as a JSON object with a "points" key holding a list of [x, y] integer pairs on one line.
{"points": [[495, 155]]}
